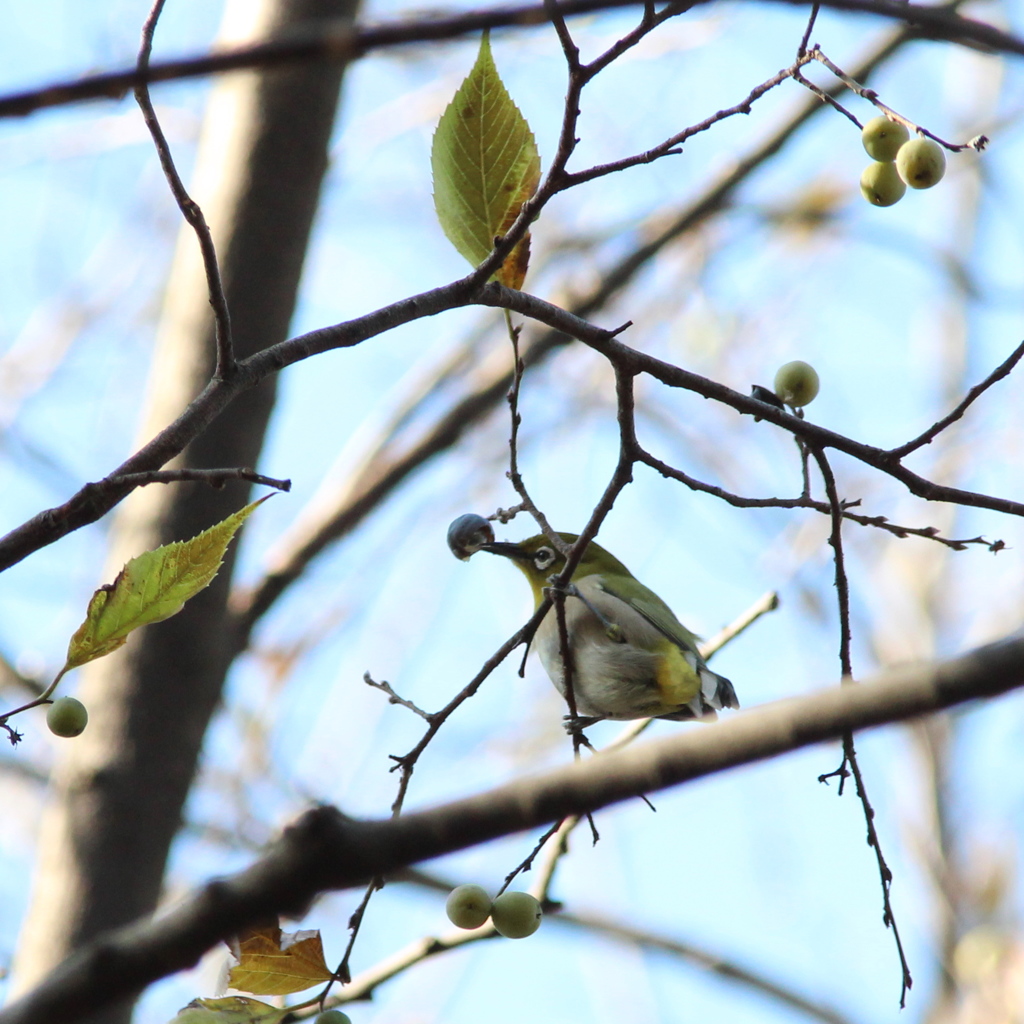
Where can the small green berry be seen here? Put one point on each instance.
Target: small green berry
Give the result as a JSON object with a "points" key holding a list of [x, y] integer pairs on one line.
{"points": [[881, 185], [67, 717], [516, 915], [468, 534], [333, 1017], [921, 163], [796, 383], [882, 138], [468, 906]]}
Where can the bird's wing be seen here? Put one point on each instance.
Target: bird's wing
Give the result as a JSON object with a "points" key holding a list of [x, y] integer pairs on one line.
{"points": [[653, 609], [715, 691]]}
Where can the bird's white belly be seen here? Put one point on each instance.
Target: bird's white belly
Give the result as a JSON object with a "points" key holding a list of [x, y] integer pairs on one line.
{"points": [[610, 679]]}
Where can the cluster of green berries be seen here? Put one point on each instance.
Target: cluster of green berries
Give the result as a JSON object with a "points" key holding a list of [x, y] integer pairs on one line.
{"points": [[513, 914], [899, 161], [67, 717], [333, 1017]]}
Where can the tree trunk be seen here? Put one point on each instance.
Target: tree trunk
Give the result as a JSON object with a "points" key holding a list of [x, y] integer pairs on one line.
{"points": [[118, 790]]}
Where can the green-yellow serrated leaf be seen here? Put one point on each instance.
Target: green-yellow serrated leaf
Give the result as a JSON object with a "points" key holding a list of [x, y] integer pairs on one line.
{"points": [[229, 1010], [485, 166], [152, 587]]}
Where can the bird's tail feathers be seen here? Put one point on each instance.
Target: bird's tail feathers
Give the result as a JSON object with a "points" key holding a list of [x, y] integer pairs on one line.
{"points": [[722, 693], [716, 692]]}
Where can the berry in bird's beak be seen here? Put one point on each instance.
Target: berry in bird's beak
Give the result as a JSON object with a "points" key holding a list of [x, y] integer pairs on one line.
{"points": [[469, 534]]}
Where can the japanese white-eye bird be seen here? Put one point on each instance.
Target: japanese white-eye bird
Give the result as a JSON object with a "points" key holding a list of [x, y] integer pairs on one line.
{"points": [[631, 657]]}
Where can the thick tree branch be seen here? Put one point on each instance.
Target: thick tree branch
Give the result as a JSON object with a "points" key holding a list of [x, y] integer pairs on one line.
{"points": [[93, 501], [340, 43], [325, 850]]}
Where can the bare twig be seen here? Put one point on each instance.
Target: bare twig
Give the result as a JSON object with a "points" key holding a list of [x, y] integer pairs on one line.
{"points": [[393, 697], [343, 973], [805, 501], [407, 762], [527, 503], [929, 435], [563, 826], [825, 97], [672, 144], [978, 143], [841, 580], [189, 208], [849, 751], [806, 38]]}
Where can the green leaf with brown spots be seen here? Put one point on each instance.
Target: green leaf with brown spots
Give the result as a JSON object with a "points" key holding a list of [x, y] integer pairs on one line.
{"points": [[485, 166]]}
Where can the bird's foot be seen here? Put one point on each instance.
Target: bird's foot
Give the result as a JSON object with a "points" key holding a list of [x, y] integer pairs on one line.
{"points": [[575, 726]]}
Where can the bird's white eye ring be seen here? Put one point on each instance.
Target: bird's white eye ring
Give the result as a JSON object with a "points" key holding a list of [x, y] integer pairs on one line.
{"points": [[543, 557]]}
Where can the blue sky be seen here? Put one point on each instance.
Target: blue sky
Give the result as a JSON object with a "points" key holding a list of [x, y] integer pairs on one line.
{"points": [[763, 864]]}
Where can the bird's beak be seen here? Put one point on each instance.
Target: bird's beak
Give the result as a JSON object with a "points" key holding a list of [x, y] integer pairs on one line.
{"points": [[500, 547]]}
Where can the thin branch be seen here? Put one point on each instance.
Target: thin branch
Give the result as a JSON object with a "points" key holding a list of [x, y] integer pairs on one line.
{"points": [[671, 145], [766, 603], [929, 435], [806, 38], [343, 974], [849, 750], [393, 697], [365, 983], [805, 501], [825, 97], [649, 21], [570, 50], [562, 828], [841, 581], [189, 208], [527, 503], [406, 764], [324, 850], [978, 143]]}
